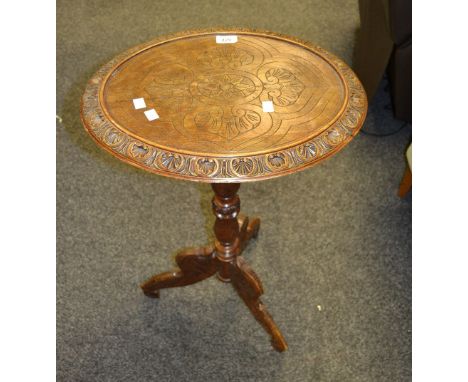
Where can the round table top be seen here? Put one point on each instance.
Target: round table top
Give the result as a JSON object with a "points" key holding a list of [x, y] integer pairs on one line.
{"points": [[224, 105]]}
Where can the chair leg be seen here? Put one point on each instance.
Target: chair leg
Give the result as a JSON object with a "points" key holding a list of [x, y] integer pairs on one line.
{"points": [[405, 184]]}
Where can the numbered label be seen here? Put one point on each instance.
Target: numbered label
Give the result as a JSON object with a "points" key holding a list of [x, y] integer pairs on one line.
{"points": [[225, 39]]}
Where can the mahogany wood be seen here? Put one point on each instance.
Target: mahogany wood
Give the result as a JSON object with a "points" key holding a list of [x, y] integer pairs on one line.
{"points": [[212, 128], [232, 232], [195, 264]]}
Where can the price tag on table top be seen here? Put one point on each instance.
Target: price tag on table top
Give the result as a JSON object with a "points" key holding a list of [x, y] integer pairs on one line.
{"points": [[268, 107], [139, 103], [225, 39], [151, 115]]}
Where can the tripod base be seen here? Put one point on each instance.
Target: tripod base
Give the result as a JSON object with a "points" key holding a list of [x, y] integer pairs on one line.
{"points": [[198, 264]]}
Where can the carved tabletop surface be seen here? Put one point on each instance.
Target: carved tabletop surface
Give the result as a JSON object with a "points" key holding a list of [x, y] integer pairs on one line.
{"points": [[210, 99]]}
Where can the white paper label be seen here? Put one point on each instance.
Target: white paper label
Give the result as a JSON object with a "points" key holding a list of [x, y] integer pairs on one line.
{"points": [[151, 114], [268, 106], [224, 39], [139, 103]]}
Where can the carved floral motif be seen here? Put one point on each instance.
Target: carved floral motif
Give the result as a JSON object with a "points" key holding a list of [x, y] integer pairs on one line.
{"points": [[226, 86], [307, 151], [206, 166], [226, 57], [277, 160], [221, 169], [283, 87], [243, 166], [114, 138], [139, 150], [227, 126], [171, 162]]}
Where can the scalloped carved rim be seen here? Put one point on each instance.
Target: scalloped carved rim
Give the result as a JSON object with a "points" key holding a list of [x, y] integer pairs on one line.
{"points": [[225, 169]]}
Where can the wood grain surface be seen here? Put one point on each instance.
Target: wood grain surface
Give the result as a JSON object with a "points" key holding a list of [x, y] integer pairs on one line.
{"points": [[209, 98]]}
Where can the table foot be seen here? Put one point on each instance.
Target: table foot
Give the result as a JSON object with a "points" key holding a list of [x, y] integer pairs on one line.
{"points": [[249, 288], [195, 264]]}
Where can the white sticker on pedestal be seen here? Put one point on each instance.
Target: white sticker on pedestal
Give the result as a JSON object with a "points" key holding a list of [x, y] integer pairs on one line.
{"points": [[268, 106], [225, 39], [139, 103], [151, 114]]}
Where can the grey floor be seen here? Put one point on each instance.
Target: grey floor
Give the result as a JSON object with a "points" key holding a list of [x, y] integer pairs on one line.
{"points": [[335, 236]]}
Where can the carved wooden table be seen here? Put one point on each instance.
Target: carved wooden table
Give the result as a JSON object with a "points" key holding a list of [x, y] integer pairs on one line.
{"points": [[224, 107]]}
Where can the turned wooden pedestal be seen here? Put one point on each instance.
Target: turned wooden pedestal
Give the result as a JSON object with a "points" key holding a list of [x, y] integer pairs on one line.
{"points": [[224, 107], [233, 232]]}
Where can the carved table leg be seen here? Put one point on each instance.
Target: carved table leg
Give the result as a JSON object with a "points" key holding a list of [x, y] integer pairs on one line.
{"points": [[249, 287], [232, 232], [226, 206], [196, 264]]}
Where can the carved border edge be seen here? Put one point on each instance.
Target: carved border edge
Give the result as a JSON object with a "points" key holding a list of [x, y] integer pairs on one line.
{"points": [[224, 169]]}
